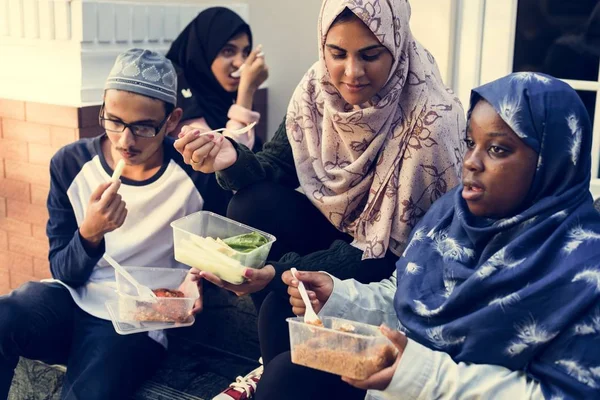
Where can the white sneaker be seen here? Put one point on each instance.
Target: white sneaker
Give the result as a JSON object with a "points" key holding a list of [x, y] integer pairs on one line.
{"points": [[244, 387]]}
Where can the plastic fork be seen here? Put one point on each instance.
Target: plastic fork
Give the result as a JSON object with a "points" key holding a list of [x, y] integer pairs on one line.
{"points": [[143, 291], [231, 132], [310, 316]]}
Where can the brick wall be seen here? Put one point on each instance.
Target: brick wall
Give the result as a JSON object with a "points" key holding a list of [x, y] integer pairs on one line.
{"points": [[30, 134]]}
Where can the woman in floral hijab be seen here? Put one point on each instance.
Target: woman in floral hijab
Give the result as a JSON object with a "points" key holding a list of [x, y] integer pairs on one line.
{"points": [[374, 168], [372, 137]]}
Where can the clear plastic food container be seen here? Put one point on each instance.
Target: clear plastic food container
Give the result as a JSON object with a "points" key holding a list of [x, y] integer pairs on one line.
{"points": [[130, 327], [197, 239], [341, 347], [131, 308]]}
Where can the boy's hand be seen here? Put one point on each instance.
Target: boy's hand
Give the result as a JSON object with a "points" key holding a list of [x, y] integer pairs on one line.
{"points": [[106, 212]]}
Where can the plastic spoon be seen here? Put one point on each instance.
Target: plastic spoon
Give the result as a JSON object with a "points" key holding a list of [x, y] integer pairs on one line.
{"points": [[238, 72], [310, 317], [143, 291]]}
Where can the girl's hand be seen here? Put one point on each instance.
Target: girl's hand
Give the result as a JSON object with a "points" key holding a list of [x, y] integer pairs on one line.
{"points": [[319, 287], [255, 72], [381, 380]]}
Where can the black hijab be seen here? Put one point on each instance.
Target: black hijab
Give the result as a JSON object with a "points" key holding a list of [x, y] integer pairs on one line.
{"points": [[193, 53]]}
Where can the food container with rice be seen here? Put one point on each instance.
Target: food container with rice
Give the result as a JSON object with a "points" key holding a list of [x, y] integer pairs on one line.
{"points": [[341, 347]]}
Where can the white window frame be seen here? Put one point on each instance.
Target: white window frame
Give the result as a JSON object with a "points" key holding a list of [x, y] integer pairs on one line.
{"points": [[485, 35]]}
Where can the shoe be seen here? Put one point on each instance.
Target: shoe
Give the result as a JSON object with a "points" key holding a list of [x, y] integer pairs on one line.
{"points": [[243, 388]]}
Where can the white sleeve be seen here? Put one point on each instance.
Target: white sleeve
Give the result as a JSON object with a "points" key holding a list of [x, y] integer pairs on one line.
{"points": [[425, 374], [371, 304]]}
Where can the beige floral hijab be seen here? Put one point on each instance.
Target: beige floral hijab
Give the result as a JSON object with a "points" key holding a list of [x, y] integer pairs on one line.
{"points": [[374, 172]]}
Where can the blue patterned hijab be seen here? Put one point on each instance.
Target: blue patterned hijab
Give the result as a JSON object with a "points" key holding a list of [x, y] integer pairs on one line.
{"points": [[522, 292]]}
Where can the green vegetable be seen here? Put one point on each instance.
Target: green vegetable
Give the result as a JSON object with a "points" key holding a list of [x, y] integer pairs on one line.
{"points": [[247, 242]]}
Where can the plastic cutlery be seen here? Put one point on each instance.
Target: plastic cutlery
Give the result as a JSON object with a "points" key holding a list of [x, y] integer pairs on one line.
{"points": [[310, 317], [143, 291], [238, 72], [231, 132]]}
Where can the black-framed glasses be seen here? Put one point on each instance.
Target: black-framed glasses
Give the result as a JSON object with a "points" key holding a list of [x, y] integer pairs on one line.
{"points": [[145, 131]]}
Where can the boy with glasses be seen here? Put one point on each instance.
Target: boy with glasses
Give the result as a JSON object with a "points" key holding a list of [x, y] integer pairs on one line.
{"points": [[64, 320]]}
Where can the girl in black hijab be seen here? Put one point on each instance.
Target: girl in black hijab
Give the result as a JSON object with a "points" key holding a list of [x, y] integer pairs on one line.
{"points": [[213, 46]]}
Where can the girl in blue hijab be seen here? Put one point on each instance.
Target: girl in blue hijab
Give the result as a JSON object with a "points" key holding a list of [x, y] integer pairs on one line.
{"points": [[498, 291]]}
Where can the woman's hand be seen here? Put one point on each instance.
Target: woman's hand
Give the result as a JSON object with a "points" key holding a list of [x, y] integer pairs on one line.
{"points": [[206, 153], [319, 287], [255, 72], [381, 380], [256, 280]]}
